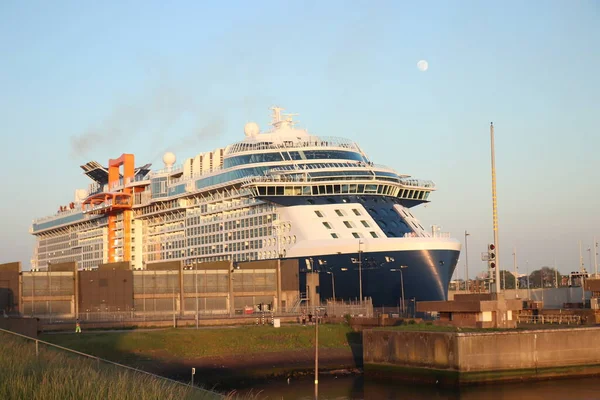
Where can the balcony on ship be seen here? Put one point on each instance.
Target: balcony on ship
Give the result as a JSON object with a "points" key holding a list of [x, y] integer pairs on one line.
{"points": [[105, 202]]}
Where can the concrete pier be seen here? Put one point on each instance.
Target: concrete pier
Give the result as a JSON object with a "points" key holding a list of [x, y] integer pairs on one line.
{"points": [[456, 358]]}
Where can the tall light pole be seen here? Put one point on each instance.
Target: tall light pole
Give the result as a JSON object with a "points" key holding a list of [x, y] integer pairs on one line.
{"points": [[516, 270], [495, 209], [332, 285], [360, 272], [316, 353], [590, 251], [196, 288], [555, 274], [527, 271], [174, 323], [595, 258], [401, 285], [467, 261]]}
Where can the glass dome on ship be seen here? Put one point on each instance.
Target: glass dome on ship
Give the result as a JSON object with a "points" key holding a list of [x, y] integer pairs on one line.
{"points": [[280, 194]]}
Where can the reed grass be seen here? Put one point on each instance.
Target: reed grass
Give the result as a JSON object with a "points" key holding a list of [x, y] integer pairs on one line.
{"points": [[56, 374]]}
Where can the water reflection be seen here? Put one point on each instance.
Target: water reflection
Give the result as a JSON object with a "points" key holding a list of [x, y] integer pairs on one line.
{"points": [[356, 388]]}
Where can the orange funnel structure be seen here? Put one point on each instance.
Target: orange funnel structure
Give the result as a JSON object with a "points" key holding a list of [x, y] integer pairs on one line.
{"points": [[116, 203]]}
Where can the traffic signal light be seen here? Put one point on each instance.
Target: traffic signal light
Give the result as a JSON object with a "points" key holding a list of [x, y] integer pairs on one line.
{"points": [[492, 255]]}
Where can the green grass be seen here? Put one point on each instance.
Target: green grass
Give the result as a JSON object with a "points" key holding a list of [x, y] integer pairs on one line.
{"points": [[57, 374], [198, 343]]}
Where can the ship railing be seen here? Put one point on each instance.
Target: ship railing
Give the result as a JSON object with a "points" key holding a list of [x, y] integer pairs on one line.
{"points": [[77, 208], [388, 168], [88, 208], [442, 235], [283, 142], [137, 178], [173, 170], [417, 183]]}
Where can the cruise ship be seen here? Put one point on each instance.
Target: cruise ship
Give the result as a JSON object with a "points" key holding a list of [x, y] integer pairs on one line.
{"points": [[282, 194]]}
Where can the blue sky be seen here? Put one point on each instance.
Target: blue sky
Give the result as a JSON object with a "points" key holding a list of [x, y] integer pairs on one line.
{"points": [[90, 82]]}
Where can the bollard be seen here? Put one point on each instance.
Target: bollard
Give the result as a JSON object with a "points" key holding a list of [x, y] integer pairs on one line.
{"points": [[256, 320]]}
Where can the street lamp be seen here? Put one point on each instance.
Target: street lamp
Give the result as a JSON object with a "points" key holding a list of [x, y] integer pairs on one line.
{"points": [[333, 288], [196, 288], [174, 323], [401, 284], [360, 271], [595, 258], [467, 262]]}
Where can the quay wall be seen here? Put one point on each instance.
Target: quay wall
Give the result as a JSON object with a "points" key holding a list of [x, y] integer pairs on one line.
{"points": [[452, 358]]}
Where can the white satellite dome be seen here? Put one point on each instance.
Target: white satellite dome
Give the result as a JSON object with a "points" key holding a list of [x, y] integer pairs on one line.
{"points": [[80, 195], [169, 159], [251, 129]]}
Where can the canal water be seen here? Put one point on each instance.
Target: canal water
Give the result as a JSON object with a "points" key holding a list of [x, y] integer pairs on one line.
{"points": [[357, 388]]}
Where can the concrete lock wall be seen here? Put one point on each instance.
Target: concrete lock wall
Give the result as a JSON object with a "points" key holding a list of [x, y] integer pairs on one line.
{"points": [[529, 350], [414, 349], [462, 358]]}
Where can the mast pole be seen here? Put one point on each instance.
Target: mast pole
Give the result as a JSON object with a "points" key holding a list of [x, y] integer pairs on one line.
{"points": [[495, 210]]}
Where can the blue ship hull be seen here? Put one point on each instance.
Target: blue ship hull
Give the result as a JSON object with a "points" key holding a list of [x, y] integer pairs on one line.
{"points": [[426, 276]]}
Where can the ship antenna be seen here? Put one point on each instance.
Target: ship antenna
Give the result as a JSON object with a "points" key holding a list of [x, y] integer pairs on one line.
{"points": [[276, 116]]}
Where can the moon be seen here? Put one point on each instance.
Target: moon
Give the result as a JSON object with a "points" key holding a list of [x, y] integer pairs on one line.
{"points": [[423, 65]]}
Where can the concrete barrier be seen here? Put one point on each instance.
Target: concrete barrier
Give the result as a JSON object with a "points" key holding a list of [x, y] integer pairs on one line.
{"points": [[451, 358]]}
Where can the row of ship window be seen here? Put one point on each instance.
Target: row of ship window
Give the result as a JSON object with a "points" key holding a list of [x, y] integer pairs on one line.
{"points": [[315, 190], [160, 190], [246, 256], [292, 155], [227, 225]]}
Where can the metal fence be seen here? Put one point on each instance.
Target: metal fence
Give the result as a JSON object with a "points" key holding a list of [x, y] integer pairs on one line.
{"points": [[550, 319], [117, 315], [352, 308]]}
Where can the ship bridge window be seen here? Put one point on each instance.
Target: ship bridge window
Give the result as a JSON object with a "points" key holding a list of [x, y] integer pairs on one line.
{"points": [[365, 223], [371, 189], [340, 213], [319, 214], [355, 211], [325, 154], [374, 234]]}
